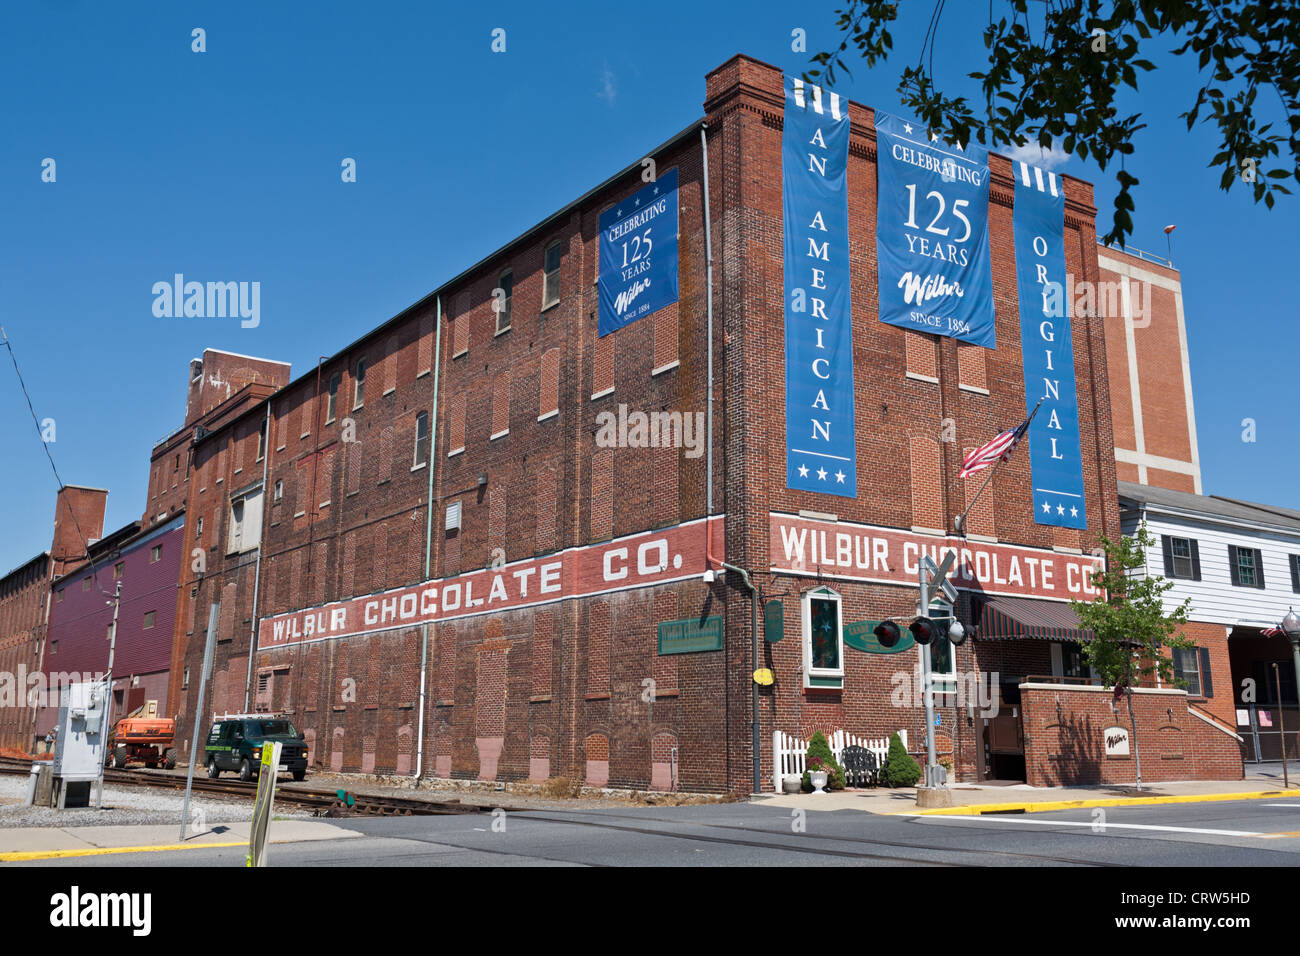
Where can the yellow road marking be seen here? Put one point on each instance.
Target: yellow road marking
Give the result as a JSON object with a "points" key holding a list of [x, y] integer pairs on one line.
{"points": [[1047, 805], [18, 857]]}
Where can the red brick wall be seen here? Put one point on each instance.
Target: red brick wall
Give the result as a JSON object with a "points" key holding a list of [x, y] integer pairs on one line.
{"points": [[1064, 745]]}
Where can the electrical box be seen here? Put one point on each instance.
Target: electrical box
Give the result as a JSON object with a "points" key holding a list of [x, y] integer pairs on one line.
{"points": [[82, 731]]}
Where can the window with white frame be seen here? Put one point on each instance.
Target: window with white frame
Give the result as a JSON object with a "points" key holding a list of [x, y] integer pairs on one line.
{"points": [[331, 404], [507, 286], [421, 439], [551, 275], [359, 396], [1187, 669], [245, 521], [823, 638]]}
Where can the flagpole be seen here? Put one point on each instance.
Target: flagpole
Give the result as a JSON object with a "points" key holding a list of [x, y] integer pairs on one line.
{"points": [[958, 521]]}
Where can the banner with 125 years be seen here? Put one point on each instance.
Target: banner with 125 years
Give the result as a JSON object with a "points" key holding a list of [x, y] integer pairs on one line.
{"points": [[932, 233], [638, 255]]}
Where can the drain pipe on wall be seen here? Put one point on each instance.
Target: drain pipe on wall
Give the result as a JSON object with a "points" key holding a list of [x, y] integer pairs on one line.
{"points": [[257, 571], [753, 591], [428, 535]]}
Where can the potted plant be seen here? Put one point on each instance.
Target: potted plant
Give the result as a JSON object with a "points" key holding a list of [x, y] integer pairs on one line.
{"points": [[820, 750], [819, 774]]}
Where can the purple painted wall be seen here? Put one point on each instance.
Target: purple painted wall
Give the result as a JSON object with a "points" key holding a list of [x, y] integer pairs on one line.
{"points": [[79, 621]]}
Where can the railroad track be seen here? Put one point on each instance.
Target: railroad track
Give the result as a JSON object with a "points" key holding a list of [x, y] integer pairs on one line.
{"points": [[322, 802]]}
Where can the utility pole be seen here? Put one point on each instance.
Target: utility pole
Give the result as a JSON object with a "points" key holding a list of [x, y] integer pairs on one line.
{"points": [[108, 702]]}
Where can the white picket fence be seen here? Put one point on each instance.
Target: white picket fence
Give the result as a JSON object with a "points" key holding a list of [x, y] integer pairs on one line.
{"points": [[789, 753]]}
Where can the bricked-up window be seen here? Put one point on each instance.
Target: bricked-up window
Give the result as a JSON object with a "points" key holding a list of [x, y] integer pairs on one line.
{"points": [[421, 439], [823, 639], [359, 398], [551, 275], [1192, 669], [331, 402], [501, 405], [245, 521], [1182, 557], [149, 618], [549, 397], [501, 301], [1246, 566]]}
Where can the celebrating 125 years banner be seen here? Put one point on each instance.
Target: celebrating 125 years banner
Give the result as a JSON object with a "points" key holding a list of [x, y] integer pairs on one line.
{"points": [[819, 433], [1048, 348], [932, 233], [638, 255]]}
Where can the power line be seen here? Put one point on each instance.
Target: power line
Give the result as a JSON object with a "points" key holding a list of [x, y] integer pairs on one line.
{"points": [[46, 445]]}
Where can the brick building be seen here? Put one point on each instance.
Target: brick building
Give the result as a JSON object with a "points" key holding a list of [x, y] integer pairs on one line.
{"points": [[423, 551], [25, 607]]}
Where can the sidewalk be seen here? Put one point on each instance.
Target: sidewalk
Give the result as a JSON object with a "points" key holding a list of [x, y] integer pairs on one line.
{"points": [[45, 843], [968, 798]]}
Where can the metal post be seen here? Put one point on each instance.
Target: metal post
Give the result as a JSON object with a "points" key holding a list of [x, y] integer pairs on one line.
{"points": [[931, 777], [108, 696], [208, 653], [1281, 725]]}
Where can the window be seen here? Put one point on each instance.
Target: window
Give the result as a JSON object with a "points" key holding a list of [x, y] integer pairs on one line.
{"points": [[85, 584], [177, 466], [823, 639], [245, 522], [360, 398], [507, 285], [551, 275], [279, 490], [149, 617], [331, 403], [118, 570], [261, 441], [58, 596], [1295, 571], [198, 531], [421, 439], [155, 554], [1246, 566], [54, 647], [1182, 558], [1192, 670], [185, 677]]}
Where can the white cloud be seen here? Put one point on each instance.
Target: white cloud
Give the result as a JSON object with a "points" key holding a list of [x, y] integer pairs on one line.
{"points": [[1035, 155], [608, 85]]}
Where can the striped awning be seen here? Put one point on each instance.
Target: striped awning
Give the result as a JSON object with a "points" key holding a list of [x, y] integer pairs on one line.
{"points": [[1007, 618]]}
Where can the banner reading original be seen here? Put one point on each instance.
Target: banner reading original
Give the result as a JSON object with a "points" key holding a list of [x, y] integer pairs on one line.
{"points": [[636, 561], [857, 552]]}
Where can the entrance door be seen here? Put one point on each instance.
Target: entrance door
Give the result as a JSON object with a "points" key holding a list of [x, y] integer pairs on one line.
{"points": [[1004, 737]]}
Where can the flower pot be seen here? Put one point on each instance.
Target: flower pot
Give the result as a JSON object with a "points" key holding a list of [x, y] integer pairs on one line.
{"points": [[818, 778], [791, 783]]}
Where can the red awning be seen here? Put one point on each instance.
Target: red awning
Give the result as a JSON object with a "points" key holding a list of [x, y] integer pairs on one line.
{"points": [[1007, 618]]}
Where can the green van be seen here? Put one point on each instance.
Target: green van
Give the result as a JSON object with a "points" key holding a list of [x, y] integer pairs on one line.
{"points": [[235, 743]]}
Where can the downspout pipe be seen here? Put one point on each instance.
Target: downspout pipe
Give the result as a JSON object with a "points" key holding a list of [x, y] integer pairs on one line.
{"points": [[428, 534], [753, 591], [257, 571]]}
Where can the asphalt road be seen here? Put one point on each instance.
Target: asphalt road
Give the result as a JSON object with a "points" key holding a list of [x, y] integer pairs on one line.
{"points": [[1218, 834]]}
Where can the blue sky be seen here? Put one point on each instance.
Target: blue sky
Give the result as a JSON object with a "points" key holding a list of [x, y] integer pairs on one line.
{"points": [[225, 166]]}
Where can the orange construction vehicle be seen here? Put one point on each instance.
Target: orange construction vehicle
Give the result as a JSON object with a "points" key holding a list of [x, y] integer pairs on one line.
{"points": [[143, 737]]}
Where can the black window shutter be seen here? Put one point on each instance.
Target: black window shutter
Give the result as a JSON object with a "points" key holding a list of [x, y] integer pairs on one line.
{"points": [[1259, 569], [1196, 561], [1295, 572], [1232, 564], [1168, 545], [1207, 685]]}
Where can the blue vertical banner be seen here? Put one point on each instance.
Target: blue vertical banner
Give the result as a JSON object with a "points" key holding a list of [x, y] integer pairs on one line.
{"points": [[638, 255], [932, 233], [1047, 345], [820, 445]]}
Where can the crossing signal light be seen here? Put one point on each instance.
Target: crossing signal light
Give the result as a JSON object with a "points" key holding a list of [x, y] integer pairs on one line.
{"points": [[923, 630], [887, 633]]}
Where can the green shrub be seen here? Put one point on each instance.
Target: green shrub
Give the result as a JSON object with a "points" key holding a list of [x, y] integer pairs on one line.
{"points": [[900, 770], [818, 748]]}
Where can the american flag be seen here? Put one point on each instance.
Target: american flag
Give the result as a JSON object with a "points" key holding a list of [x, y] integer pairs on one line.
{"points": [[1273, 632], [999, 449]]}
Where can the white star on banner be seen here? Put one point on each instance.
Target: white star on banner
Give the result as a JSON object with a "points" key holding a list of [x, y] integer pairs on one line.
{"points": [[1060, 509], [908, 128], [1047, 509], [821, 473], [839, 476], [803, 471], [1074, 512]]}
